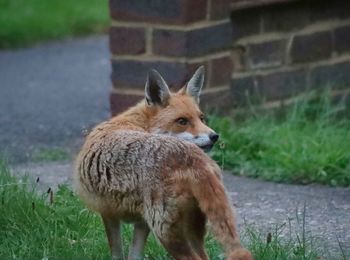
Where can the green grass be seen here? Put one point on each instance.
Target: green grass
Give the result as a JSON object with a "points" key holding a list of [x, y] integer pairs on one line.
{"points": [[56, 225], [24, 22], [311, 144], [50, 155]]}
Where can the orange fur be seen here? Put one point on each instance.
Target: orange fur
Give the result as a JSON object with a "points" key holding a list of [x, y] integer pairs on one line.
{"points": [[128, 172], [147, 118]]}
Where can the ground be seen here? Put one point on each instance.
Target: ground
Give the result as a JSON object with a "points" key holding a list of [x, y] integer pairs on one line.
{"points": [[51, 93]]}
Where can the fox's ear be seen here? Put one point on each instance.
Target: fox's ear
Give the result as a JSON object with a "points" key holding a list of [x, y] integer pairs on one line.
{"points": [[194, 86], [156, 89]]}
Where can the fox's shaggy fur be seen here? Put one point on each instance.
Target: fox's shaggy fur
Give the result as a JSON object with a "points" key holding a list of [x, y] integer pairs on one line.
{"points": [[134, 168]]}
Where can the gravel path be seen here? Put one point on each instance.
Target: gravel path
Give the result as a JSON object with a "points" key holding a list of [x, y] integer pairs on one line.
{"points": [[262, 204], [265, 205], [50, 93]]}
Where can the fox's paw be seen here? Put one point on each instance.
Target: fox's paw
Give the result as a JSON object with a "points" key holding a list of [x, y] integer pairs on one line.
{"points": [[240, 254]]}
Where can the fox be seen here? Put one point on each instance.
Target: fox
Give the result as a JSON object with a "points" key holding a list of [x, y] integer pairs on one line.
{"points": [[148, 166]]}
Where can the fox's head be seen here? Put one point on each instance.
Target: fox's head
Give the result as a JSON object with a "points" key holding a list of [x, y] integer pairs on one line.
{"points": [[178, 114]]}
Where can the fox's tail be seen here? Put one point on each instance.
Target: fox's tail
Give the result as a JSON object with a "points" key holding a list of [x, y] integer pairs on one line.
{"points": [[210, 193]]}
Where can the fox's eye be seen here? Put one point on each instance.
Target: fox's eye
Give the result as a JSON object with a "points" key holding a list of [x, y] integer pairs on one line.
{"points": [[182, 121], [202, 118]]}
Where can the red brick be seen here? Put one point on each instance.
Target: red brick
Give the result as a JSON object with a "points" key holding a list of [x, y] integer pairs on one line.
{"points": [[342, 39], [245, 23], [246, 4], [218, 101], [286, 17], [170, 42], [219, 9], [120, 102], [245, 91], [279, 85], [192, 43], [267, 54], [272, 86], [326, 10], [239, 58], [123, 40], [221, 71], [336, 76], [159, 11], [311, 47], [132, 74]]}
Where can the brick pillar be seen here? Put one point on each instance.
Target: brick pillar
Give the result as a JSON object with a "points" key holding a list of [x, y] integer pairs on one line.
{"points": [[174, 37]]}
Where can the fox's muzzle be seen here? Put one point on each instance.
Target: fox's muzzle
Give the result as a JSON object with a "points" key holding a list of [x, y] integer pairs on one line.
{"points": [[212, 138]]}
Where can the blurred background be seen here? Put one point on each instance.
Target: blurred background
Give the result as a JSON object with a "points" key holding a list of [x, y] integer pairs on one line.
{"points": [[54, 83]]}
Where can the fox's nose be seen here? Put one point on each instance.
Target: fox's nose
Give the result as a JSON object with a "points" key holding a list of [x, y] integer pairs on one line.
{"points": [[213, 137]]}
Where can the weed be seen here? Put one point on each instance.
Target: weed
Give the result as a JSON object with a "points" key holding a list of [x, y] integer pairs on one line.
{"points": [[308, 145]]}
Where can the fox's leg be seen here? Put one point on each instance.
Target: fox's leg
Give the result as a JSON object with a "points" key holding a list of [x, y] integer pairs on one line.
{"points": [[168, 225], [196, 231], [141, 231], [180, 249], [175, 241], [112, 226]]}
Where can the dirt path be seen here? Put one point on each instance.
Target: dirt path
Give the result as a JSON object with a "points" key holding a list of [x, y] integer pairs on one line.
{"points": [[262, 204]]}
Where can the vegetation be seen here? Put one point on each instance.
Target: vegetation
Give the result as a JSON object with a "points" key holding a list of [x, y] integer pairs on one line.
{"points": [[310, 144], [50, 155], [24, 22], [55, 225]]}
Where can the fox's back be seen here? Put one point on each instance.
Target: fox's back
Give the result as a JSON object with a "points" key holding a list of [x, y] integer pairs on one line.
{"points": [[121, 168]]}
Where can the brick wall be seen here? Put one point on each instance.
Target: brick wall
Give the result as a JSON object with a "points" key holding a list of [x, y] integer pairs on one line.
{"points": [[174, 37], [269, 50], [283, 50]]}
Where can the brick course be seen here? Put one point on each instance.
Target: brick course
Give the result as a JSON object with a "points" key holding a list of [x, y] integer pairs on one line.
{"points": [[132, 74], [325, 10], [311, 47], [281, 18], [239, 58], [245, 90], [221, 71], [192, 43], [290, 48], [158, 11], [342, 39], [120, 102], [245, 23], [267, 54], [273, 51], [279, 85], [218, 100], [219, 9], [332, 75], [123, 40]]}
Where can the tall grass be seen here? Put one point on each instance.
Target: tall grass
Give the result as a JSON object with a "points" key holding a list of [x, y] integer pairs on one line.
{"points": [[32, 227], [310, 144], [55, 225]]}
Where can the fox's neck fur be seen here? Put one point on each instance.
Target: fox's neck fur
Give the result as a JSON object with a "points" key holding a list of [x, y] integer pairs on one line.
{"points": [[137, 118]]}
